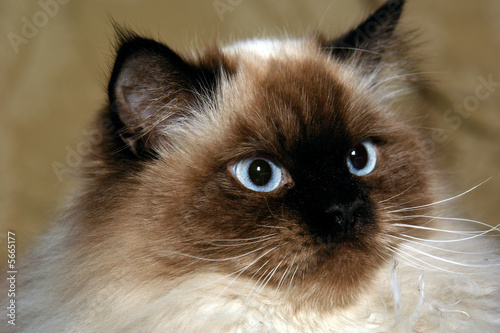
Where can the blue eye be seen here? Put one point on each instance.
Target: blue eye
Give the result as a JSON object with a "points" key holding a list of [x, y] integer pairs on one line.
{"points": [[259, 174], [362, 159]]}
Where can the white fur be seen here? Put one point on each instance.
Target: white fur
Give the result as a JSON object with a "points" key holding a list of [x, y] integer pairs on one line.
{"points": [[266, 48]]}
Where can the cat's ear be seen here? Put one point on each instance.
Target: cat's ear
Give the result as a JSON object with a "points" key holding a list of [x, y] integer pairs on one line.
{"points": [[151, 87], [371, 38]]}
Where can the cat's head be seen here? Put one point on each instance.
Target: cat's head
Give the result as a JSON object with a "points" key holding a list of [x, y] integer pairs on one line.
{"points": [[279, 162]]}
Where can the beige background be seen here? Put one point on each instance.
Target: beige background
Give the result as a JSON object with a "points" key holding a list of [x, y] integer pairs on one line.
{"points": [[52, 83]]}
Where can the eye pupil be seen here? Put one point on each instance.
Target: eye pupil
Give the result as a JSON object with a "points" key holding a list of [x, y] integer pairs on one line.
{"points": [[359, 157], [260, 172], [362, 160]]}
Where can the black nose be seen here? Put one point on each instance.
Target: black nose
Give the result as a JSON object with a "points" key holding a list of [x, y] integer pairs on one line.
{"points": [[343, 216], [342, 220], [333, 205]]}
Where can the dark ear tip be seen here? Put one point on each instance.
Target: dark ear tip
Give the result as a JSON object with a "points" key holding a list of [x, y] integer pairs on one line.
{"points": [[395, 6], [126, 39], [127, 44]]}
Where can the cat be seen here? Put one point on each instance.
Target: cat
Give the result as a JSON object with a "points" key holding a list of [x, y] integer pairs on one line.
{"points": [[265, 186]]}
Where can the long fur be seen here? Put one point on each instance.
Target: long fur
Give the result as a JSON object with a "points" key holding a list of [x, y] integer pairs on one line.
{"points": [[162, 238]]}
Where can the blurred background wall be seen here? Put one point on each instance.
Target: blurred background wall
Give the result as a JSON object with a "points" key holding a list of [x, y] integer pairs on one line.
{"points": [[55, 56]]}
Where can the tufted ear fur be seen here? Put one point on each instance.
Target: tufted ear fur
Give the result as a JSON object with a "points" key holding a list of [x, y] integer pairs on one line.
{"points": [[372, 37], [150, 87]]}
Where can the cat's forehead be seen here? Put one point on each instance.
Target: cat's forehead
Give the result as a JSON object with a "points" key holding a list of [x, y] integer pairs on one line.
{"points": [[266, 48], [294, 87]]}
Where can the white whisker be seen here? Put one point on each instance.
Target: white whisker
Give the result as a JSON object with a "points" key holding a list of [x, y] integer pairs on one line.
{"points": [[441, 201], [445, 240], [443, 249], [350, 49], [445, 260], [210, 259], [272, 214], [242, 239], [257, 271], [389, 79], [272, 226], [243, 244], [286, 272], [491, 228], [409, 262], [400, 252], [266, 280], [293, 276], [458, 232], [397, 195], [247, 301], [244, 269]]}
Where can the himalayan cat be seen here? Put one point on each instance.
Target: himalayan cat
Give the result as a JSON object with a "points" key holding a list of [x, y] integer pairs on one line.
{"points": [[266, 186]]}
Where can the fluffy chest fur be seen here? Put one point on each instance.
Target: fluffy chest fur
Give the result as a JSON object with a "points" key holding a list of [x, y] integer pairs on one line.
{"points": [[267, 186]]}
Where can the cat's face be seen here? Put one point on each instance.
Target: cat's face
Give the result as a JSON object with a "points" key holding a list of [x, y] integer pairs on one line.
{"points": [[279, 163]]}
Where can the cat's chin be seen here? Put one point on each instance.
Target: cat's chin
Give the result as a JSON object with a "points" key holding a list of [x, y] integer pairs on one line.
{"points": [[339, 280], [331, 276]]}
